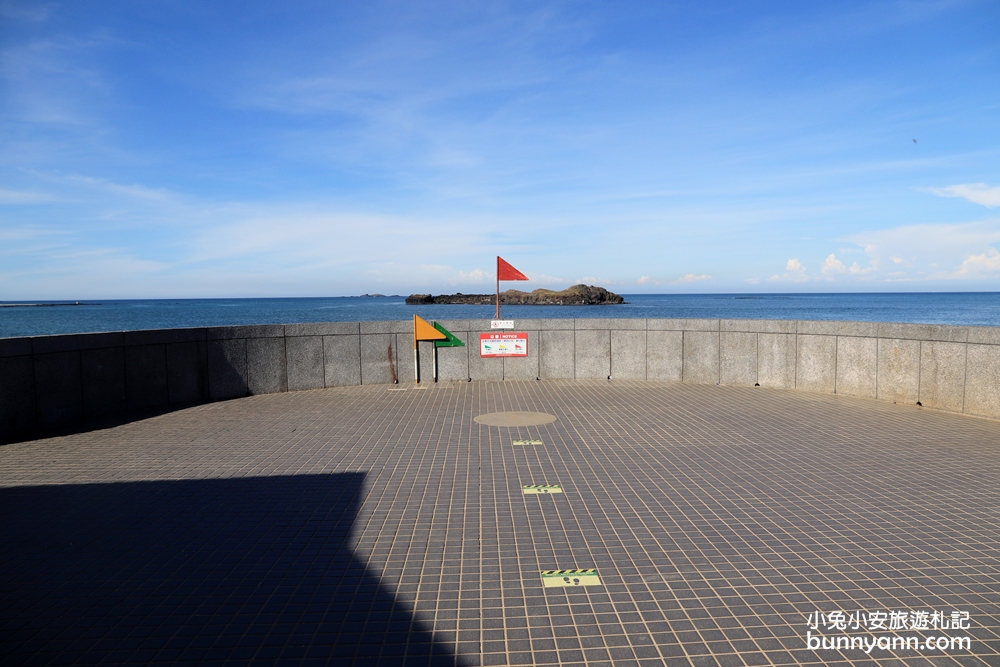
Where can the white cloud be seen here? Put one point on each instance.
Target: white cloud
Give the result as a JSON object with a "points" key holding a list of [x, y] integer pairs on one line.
{"points": [[752, 281], [833, 265], [691, 278], [931, 251], [643, 280], [978, 265], [977, 193], [541, 278], [476, 276], [479, 276], [795, 272]]}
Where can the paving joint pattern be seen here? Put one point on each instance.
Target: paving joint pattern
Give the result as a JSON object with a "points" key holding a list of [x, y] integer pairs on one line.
{"points": [[357, 525]]}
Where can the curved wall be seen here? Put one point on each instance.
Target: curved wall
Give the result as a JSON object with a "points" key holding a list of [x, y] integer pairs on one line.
{"points": [[52, 381]]}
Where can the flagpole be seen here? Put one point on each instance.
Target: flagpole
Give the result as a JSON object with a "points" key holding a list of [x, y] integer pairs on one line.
{"points": [[509, 273], [425, 331], [416, 361]]}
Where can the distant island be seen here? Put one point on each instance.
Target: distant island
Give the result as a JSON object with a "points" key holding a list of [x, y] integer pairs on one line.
{"points": [[44, 305], [577, 295]]}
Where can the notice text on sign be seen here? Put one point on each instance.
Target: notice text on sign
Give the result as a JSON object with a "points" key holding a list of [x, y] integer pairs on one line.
{"points": [[503, 344]]}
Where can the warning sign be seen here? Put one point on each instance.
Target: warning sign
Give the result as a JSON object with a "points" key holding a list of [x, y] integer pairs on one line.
{"points": [[567, 578], [503, 344], [539, 489]]}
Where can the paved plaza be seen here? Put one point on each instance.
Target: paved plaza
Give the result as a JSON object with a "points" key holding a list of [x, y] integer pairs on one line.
{"points": [[384, 525]]}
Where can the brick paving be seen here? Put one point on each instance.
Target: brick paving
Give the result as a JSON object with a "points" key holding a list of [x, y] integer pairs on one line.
{"points": [[366, 526]]}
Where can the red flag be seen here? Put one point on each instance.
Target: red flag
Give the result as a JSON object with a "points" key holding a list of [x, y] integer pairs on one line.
{"points": [[507, 272]]}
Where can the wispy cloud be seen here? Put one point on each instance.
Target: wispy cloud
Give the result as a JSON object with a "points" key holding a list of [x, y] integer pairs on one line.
{"points": [[33, 13], [51, 82], [474, 277], [400, 147], [691, 278], [95, 272], [275, 236], [592, 280], [22, 197], [135, 190], [12, 236], [541, 279], [977, 193]]}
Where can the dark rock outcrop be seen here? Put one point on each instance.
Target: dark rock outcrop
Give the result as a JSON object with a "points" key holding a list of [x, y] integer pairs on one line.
{"points": [[577, 295]]}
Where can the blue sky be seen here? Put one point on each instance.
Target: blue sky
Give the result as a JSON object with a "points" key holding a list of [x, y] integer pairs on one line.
{"points": [[210, 149]]}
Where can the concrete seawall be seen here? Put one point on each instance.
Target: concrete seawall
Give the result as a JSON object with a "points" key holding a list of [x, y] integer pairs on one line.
{"points": [[54, 381]]}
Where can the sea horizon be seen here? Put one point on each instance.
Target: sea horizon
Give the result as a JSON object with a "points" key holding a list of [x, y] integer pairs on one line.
{"points": [[18, 318]]}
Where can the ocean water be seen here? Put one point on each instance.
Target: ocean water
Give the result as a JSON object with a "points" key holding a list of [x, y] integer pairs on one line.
{"points": [[966, 308]]}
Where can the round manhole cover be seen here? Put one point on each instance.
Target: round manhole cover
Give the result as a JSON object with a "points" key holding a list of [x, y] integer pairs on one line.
{"points": [[515, 419]]}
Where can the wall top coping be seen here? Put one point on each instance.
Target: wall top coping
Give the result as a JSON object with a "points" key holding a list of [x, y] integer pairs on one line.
{"points": [[15, 347], [21, 346], [71, 343], [837, 328], [758, 326], [323, 328], [681, 324], [987, 335], [164, 336]]}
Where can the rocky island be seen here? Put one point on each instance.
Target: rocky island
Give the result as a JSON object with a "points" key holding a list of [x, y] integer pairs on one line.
{"points": [[577, 295]]}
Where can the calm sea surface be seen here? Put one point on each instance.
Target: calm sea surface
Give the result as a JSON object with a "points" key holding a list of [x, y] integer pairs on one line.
{"points": [[970, 308]]}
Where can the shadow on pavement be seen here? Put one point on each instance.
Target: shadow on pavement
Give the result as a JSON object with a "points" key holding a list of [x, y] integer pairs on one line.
{"points": [[223, 570]]}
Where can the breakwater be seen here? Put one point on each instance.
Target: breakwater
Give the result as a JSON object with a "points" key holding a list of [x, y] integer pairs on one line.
{"points": [[53, 381]]}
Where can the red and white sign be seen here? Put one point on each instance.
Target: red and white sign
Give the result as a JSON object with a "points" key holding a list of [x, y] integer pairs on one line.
{"points": [[503, 345]]}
